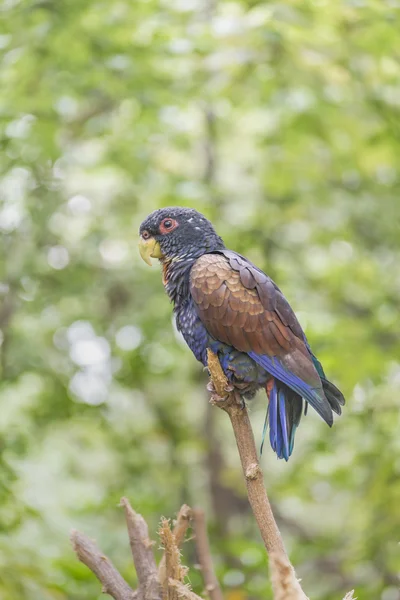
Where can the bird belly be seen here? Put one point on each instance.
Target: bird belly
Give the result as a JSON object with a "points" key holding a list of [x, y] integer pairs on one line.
{"points": [[193, 331], [241, 370]]}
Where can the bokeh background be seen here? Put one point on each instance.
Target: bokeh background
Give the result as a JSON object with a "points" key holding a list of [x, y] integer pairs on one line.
{"points": [[281, 122]]}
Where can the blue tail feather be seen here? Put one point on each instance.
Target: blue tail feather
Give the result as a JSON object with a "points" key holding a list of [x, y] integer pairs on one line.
{"points": [[332, 393], [314, 396], [273, 417], [295, 425], [283, 416], [284, 424]]}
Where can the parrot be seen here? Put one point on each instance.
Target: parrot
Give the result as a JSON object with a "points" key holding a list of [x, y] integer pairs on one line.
{"points": [[224, 303]]}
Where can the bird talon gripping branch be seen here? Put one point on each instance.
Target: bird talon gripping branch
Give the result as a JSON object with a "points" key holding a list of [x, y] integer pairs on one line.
{"points": [[216, 399], [227, 308], [211, 387]]}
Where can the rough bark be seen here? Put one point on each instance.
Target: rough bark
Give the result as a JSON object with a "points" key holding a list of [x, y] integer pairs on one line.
{"points": [[89, 554], [182, 524], [142, 553]]}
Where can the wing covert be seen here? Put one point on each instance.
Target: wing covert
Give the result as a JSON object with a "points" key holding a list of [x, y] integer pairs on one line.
{"points": [[239, 305]]}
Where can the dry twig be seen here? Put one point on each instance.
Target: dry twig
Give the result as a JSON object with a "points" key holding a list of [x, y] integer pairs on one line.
{"points": [[90, 555], [174, 568], [284, 582], [204, 555], [182, 524], [154, 584], [142, 552]]}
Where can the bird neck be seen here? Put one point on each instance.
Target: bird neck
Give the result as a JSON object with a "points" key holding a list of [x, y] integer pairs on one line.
{"points": [[176, 269], [176, 278]]}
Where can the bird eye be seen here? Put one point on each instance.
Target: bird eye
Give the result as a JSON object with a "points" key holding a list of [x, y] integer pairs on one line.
{"points": [[145, 235], [168, 225]]}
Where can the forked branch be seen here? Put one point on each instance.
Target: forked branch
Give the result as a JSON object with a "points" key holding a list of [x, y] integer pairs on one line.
{"points": [[169, 583], [182, 524], [165, 583]]}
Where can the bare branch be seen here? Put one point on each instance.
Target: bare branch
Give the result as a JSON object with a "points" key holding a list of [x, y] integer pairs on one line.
{"points": [[91, 556], [174, 570], [284, 582], [248, 455], [349, 596], [182, 524], [218, 377], [142, 552], [204, 556], [228, 400]]}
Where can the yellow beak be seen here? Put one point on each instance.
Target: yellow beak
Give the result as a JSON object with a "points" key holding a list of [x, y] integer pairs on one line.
{"points": [[149, 249]]}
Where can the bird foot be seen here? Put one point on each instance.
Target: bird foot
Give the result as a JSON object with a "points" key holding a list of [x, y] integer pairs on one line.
{"points": [[215, 396], [219, 400]]}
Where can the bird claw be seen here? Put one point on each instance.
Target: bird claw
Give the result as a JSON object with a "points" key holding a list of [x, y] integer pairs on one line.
{"points": [[240, 400], [215, 397], [229, 389], [211, 387]]}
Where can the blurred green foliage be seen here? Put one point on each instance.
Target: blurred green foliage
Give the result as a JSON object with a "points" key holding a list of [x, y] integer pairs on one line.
{"points": [[281, 122]]}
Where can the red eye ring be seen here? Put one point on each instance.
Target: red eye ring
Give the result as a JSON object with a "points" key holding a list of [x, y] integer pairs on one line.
{"points": [[167, 225]]}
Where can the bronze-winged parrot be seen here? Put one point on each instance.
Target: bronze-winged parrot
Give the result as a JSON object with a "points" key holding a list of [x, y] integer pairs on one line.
{"points": [[224, 302]]}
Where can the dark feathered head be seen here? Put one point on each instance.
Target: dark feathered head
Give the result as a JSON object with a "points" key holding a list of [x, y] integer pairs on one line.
{"points": [[177, 233]]}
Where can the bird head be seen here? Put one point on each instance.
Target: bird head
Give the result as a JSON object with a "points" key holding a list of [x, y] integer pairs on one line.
{"points": [[177, 233]]}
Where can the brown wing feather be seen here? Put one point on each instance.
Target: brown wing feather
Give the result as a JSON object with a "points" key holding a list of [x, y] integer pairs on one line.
{"points": [[241, 306]]}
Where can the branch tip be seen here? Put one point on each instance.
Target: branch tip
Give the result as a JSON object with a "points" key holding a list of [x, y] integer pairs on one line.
{"points": [[142, 552], [90, 555]]}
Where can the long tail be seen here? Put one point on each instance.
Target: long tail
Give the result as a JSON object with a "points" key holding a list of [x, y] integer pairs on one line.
{"points": [[284, 414], [332, 393], [286, 407]]}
